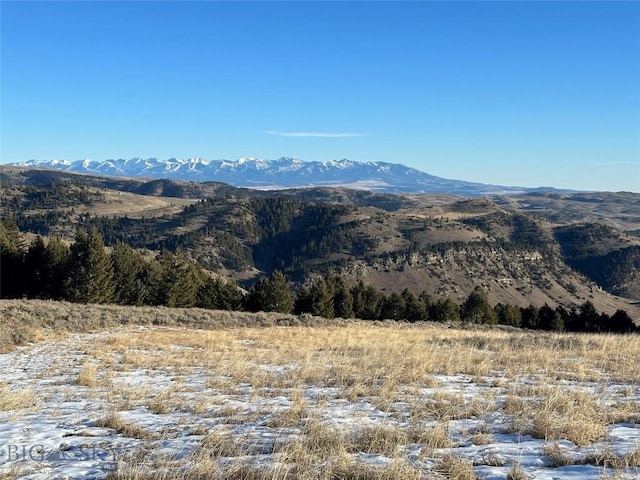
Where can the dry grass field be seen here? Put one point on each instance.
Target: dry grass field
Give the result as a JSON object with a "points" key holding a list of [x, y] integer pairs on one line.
{"points": [[118, 204], [167, 393]]}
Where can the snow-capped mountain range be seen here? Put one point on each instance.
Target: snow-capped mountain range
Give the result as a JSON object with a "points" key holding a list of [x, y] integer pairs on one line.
{"points": [[284, 172]]}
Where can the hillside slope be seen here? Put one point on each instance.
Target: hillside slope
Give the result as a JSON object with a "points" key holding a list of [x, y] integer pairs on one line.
{"points": [[444, 244]]}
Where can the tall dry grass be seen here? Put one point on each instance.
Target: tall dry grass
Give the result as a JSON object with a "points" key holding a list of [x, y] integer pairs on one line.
{"points": [[220, 365], [397, 369]]}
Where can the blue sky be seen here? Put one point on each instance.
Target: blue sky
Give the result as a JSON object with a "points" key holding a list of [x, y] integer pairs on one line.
{"points": [[513, 93]]}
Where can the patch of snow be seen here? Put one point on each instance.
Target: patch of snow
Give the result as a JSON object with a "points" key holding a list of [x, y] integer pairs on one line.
{"points": [[60, 436]]}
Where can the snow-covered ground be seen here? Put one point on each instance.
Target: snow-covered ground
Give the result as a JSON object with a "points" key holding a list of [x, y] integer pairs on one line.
{"points": [[85, 404]]}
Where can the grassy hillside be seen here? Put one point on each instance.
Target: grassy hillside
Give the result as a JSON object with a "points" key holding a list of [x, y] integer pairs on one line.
{"points": [[522, 249], [24, 321]]}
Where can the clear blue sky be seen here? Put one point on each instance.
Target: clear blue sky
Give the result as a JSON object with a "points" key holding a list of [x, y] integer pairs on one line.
{"points": [[514, 93]]}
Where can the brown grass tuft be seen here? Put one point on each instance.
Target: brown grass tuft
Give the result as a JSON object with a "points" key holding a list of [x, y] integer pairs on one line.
{"points": [[115, 422], [454, 468], [16, 398]]}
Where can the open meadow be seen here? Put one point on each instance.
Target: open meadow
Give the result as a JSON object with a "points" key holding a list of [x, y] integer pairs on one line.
{"points": [[123, 393]]}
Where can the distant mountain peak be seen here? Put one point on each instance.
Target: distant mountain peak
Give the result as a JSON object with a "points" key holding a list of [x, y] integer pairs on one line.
{"points": [[284, 172]]}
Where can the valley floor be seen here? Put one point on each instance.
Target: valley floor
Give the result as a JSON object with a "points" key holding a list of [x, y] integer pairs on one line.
{"points": [[354, 401]]}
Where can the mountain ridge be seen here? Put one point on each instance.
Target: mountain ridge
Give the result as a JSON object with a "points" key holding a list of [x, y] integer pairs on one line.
{"points": [[517, 248], [284, 172]]}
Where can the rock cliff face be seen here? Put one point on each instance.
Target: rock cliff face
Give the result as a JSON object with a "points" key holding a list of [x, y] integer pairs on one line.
{"points": [[516, 277]]}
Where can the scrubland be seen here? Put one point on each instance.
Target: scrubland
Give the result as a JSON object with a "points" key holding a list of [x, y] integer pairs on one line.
{"points": [[128, 393]]}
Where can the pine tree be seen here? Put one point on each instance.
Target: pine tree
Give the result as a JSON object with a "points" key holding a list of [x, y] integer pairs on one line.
{"points": [[444, 310], [550, 319], [149, 282], [179, 280], [357, 294], [10, 239], [56, 256], [621, 322], [35, 268], [127, 269], [321, 299], [476, 308], [507, 314], [12, 251], [529, 317], [89, 270], [303, 302], [45, 268], [589, 319], [393, 307], [426, 300], [270, 294], [217, 294], [414, 309], [571, 318], [367, 302], [342, 299]]}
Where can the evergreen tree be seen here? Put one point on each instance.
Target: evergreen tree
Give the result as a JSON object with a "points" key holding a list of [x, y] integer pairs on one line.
{"points": [[621, 322], [149, 283], [589, 320], [179, 280], [367, 302], [357, 294], [10, 238], [90, 273], [604, 321], [550, 319], [414, 309], [321, 299], [35, 266], [476, 308], [270, 294], [426, 301], [12, 250], [56, 257], [508, 315], [393, 307], [444, 310], [571, 319], [557, 324], [218, 294], [231, 297], [529, 317], [304, 302], [127, 268], [342, 299]]}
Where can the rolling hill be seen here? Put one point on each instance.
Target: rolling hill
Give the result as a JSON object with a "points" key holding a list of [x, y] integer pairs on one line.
{"points": [[518, 251]]}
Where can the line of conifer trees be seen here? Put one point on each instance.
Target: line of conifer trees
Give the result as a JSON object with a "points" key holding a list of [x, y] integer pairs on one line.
{"points": [[86, 272]]}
